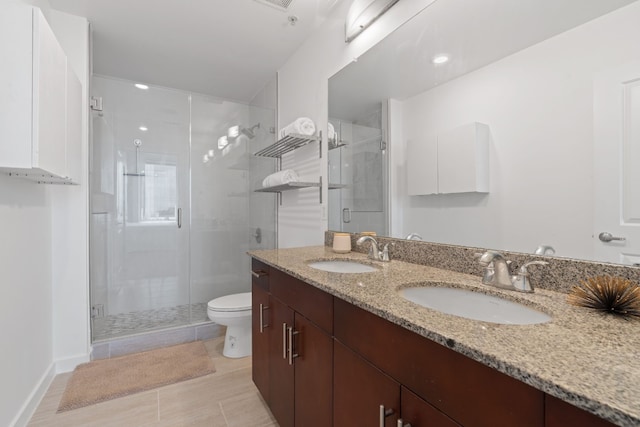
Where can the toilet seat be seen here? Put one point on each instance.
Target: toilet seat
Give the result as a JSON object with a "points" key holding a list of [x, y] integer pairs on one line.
{"points": [[229, 303]]}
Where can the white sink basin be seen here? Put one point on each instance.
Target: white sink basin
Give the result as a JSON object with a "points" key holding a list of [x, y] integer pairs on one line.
{"points": [[474, 305], [339, 266]]}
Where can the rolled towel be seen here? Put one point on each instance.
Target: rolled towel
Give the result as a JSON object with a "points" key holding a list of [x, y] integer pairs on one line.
{"points": [[279, 178], [301, 125]]}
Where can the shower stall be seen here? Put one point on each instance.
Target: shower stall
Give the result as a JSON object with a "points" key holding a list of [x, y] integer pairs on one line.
{"points": [[172, 207], [357, 161]]}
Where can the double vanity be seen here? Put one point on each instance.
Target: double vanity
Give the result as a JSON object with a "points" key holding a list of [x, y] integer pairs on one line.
{"points": [[347, 341]]}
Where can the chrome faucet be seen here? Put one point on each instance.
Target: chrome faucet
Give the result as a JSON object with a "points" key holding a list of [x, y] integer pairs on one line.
{"points": [[501, 277], [374, 249], [414, 236]]}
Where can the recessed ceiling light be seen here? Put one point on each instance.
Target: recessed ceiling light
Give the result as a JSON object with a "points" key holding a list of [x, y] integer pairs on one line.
{"points": [[222, 142], [440, 59], [143, 128], [141, 86]]}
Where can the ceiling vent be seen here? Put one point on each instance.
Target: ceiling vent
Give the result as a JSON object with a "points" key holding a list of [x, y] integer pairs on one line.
{"points": [[278, 4]]}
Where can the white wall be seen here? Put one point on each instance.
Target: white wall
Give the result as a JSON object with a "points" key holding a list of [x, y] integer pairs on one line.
{"points": [[303, 91], [539, 106], [43, 304], [70, 219]]}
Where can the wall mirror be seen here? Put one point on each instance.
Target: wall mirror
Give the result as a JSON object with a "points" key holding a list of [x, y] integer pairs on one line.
{"points": [[557, 84]]}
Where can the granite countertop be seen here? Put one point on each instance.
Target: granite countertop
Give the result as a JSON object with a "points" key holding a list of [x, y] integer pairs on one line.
{"points": [[586, 358]]}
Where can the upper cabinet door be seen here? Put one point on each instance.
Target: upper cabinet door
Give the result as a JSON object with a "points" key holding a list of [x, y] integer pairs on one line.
{"points": [[49, 99], [16, 88], [40, 100]]}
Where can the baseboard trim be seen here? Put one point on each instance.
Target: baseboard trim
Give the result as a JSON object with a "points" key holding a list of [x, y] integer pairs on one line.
{"points": [[70, 363], [32, 402]]}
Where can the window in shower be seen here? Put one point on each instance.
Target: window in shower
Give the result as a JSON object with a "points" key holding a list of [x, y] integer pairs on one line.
{"points": [[160, 193]]}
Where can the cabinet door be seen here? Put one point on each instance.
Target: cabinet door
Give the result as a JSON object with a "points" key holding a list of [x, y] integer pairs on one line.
{"points": [[313, 374], [359, 391], [260, 338], [562, 414], [16, 84], [281, 386], [49, 100], [419, 413]]}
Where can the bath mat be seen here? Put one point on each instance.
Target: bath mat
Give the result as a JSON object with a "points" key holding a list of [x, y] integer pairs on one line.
{"points": [[108, 379]]}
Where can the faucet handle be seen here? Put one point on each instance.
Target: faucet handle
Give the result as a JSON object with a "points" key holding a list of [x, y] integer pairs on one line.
{"points": [[521, 280], [523, 269], [385, 252]]}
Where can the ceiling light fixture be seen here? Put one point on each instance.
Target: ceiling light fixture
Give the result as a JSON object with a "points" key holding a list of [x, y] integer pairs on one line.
{"points": [[363, 13], [141, 86], [222, 142], [440, 59], [143, 128]]}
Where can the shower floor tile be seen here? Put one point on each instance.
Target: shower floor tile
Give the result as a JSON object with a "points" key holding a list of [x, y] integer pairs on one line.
{"points": [[124, 324]]}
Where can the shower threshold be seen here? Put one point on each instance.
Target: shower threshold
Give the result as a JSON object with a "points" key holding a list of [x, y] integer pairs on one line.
{"points": [[125, 324]]}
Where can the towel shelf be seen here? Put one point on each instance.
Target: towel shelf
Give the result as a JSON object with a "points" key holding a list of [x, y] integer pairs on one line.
{"points": [[287, 144], [285, 187], [292, 186]]}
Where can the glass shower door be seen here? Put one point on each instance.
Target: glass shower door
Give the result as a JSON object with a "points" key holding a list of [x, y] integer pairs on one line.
{"points": [[140, 209], [359, 166]]}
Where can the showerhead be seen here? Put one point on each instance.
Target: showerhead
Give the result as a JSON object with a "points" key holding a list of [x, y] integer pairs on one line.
{"points": [[250, 132]]}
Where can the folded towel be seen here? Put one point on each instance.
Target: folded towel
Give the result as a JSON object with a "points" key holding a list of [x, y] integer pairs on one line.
{"points": [[279, 178], [301, 125]]}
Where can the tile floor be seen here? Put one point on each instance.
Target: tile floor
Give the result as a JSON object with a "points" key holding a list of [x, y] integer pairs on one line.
{"points": [[226, 398]]}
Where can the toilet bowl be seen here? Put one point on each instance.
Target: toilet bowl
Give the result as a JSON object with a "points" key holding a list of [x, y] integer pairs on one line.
{"points": [[234, 312]]}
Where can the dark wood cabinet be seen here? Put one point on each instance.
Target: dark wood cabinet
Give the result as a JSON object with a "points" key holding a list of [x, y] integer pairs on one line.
{"points": [[259, 327], [469, 392], [321, 361], [281, 379], [293, 352], [419, 413], [562, 414], [360, 389], [313, 374]]}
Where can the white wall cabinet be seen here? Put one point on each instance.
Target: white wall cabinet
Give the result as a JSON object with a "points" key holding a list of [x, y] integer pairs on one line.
{"points": [[456, 161], [40, 100]]}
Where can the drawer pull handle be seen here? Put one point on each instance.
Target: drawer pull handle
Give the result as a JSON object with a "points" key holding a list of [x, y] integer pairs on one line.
{"points": [[384, 413], [262, 324], [258, 274], [402, 424]]}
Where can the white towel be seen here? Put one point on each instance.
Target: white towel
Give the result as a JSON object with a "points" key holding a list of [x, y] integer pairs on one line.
{"points": [[301, 125], [279, 178]]}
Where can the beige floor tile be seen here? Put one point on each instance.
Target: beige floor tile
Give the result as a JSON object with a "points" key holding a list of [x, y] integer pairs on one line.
{"points": [[136, 410], [225, 398], [247, 410]]}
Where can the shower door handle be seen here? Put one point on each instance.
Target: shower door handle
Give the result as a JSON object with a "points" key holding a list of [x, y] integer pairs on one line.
{"points": [[179, 217]]}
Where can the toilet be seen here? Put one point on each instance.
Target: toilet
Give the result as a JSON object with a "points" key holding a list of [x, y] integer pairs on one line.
{"points": [[234, 312]]}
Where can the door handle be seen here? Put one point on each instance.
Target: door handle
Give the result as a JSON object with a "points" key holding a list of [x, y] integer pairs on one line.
{"points": [[608, 237], [291, 333], [179, 217]]}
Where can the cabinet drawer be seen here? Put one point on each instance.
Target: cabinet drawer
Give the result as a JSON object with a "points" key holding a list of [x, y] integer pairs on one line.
{"points": [[465, 390], [313, 303], [562, 414], [417, 412], [260, 274]]}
